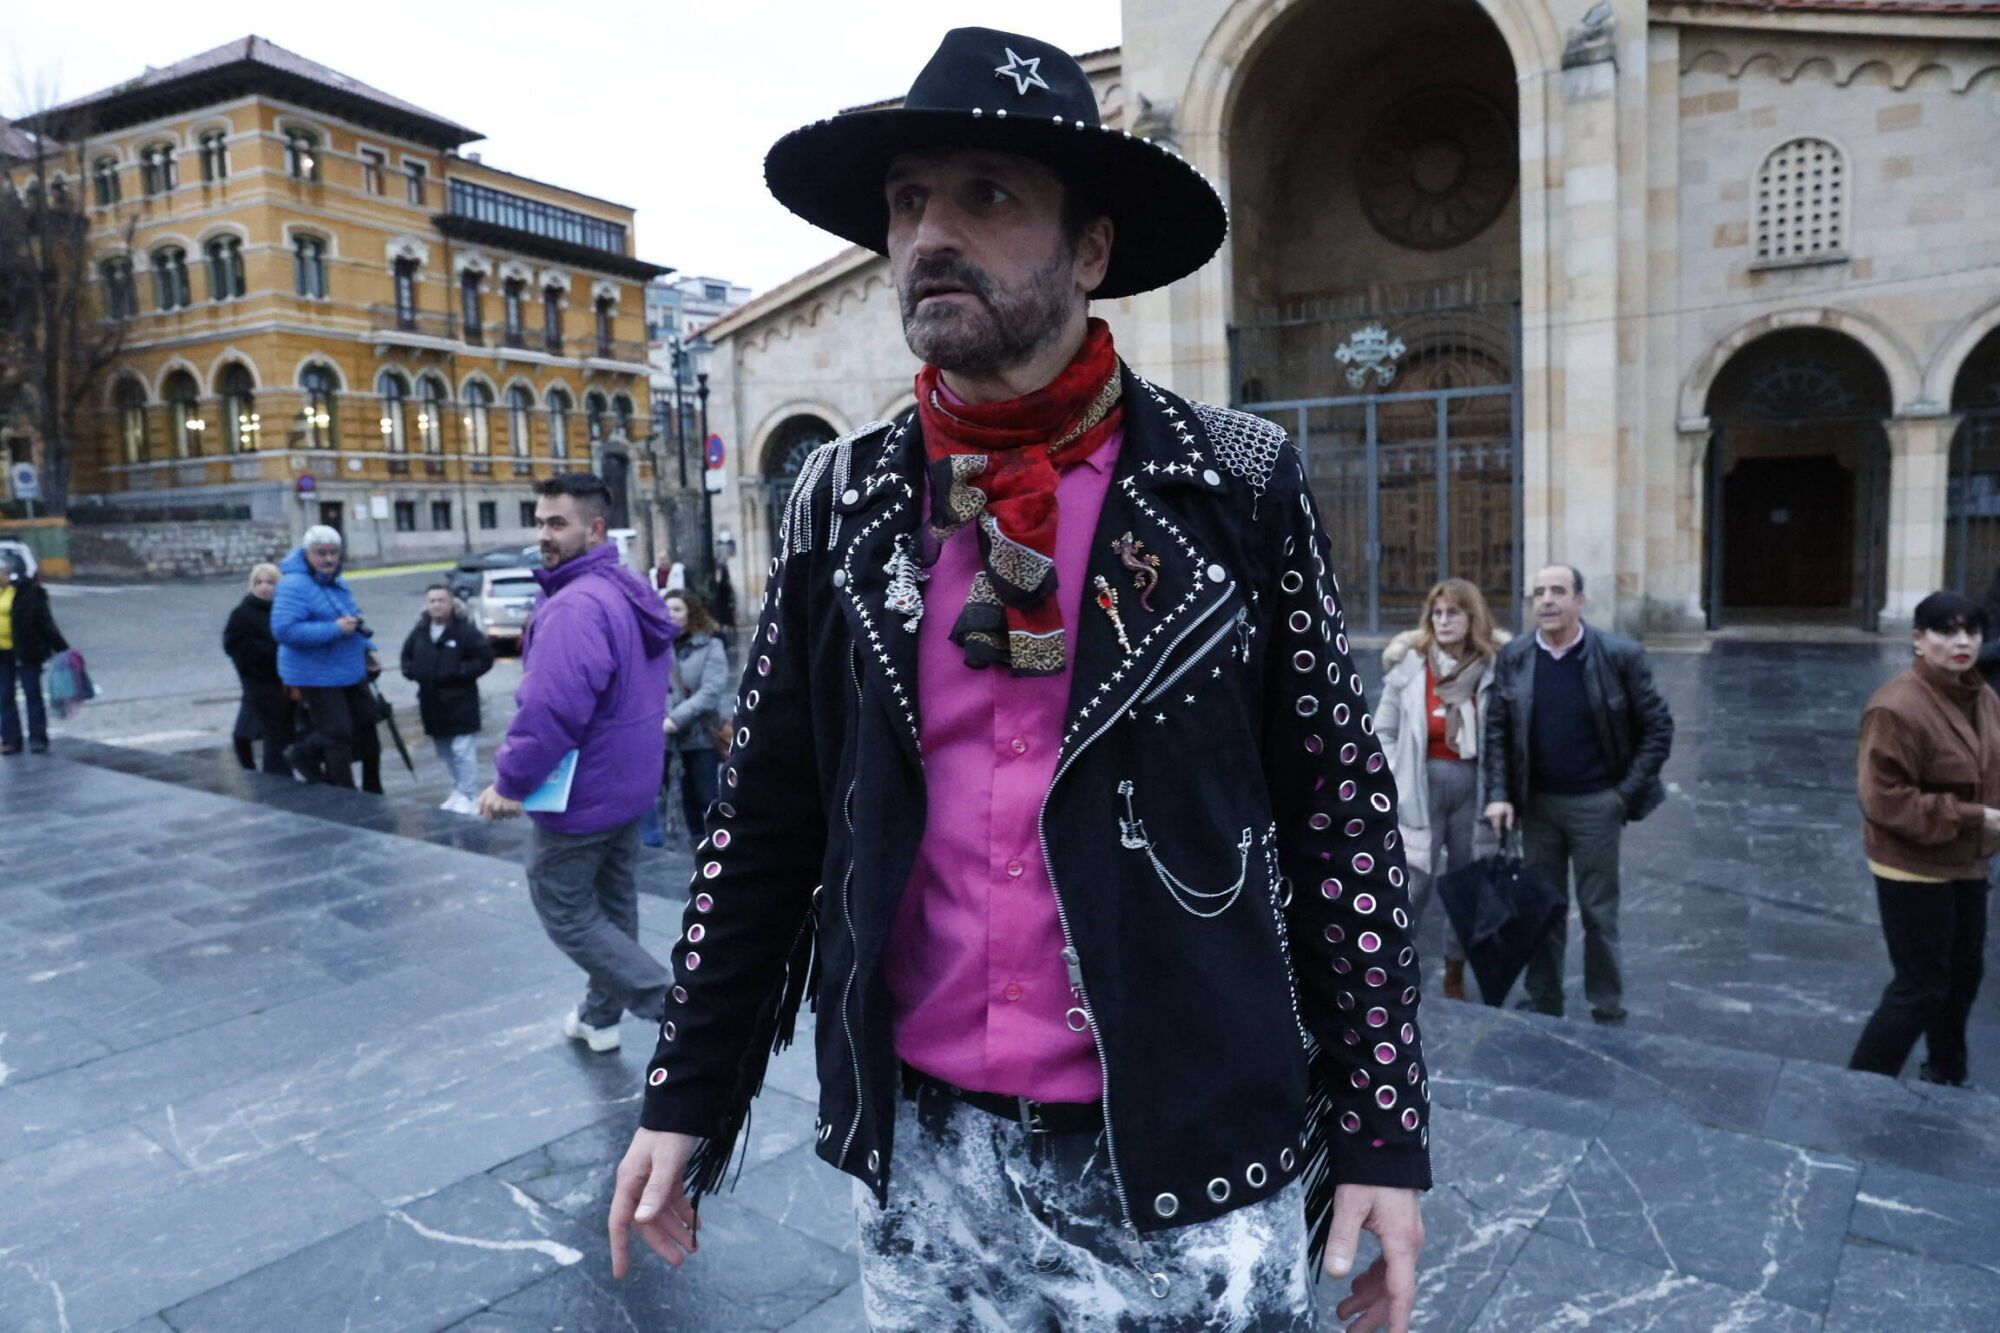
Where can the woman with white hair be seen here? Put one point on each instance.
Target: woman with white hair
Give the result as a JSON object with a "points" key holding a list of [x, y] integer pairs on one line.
{"points": [[247, 641], [325, 653]]}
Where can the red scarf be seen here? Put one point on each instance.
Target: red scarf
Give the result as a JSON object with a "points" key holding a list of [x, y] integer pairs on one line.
{"points": [[995, 465]]}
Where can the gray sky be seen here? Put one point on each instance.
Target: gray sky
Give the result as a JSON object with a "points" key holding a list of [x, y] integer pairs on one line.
{"points": [[665, 106]]}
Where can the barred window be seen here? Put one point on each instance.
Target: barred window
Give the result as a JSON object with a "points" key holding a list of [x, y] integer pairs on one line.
{"points": [[1802, 203]]}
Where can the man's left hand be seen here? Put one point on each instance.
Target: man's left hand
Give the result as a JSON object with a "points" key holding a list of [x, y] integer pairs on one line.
{"points": [[492, 805], [1382, 1297]]}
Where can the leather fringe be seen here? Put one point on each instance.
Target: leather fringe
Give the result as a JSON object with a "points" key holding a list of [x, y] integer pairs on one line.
{"points": [[776, 1023], [1316, 1162]]}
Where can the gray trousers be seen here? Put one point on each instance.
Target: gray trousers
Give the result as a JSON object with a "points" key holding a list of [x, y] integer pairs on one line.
{"points": [[583, 889], [460, 755], [1454, 794], [1564, 833], [991, 1226]]}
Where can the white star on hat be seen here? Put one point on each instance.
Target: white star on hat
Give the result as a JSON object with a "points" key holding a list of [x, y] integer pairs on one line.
{"points": [[1026, 74]]}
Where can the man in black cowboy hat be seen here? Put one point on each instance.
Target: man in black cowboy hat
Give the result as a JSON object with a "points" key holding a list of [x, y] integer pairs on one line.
{"points": [[1052, 786]]}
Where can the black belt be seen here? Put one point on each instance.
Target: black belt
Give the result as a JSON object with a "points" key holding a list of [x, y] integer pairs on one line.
{"points": [[1039, 1117]]}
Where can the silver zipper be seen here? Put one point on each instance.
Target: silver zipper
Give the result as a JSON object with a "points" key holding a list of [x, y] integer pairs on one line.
{"points": [[1073, 960], [853, 940], [1236, 622]]}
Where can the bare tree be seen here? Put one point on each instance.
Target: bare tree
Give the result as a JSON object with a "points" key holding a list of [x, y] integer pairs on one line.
{"points": [[59, 340]]}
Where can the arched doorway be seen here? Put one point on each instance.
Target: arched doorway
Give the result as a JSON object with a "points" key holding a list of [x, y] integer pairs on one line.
{"points": [[785, 451], [1972, 503], [1376, 257], [617, 465], [1798, 482]]}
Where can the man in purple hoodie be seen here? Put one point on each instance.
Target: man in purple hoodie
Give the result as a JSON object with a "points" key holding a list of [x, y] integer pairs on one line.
{"points": [[596, 658]]}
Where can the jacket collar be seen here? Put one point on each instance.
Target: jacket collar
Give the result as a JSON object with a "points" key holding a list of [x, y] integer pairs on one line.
{"points": [[1164, 461]]}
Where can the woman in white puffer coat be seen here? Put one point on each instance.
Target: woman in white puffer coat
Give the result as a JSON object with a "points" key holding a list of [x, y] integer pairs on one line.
{"points": [[1429, 720]]}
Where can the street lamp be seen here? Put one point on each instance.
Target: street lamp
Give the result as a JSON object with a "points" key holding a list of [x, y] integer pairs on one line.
{"points": [[707, 499]]}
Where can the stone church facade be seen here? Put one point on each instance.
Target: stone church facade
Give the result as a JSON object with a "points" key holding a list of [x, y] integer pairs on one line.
{"points": [[1701, 298]]}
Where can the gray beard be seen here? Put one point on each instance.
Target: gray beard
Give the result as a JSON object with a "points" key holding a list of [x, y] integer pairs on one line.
{"points": [[1010, 328]]}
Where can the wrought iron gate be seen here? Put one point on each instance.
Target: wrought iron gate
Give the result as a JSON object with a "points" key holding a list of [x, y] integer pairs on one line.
{"points": [[1417, 470]]}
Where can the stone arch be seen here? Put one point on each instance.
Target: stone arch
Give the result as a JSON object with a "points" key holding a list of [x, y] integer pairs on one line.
{"points": [[221, 362], [1941, 375], [173, 363], [773, 441], [1905, 379], [324, 361]]}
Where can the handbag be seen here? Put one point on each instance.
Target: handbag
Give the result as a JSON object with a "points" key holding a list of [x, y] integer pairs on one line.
{"points": [[69, 683]]}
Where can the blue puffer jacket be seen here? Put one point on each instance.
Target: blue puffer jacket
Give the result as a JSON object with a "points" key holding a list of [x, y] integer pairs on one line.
{"points": [[311, 649]]}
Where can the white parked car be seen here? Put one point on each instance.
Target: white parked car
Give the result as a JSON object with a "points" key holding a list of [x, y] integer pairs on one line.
{"points": [[506, 596]]}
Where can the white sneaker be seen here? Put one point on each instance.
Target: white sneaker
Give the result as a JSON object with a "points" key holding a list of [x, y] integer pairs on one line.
{"points": [[451, 803], [600, 1040]]}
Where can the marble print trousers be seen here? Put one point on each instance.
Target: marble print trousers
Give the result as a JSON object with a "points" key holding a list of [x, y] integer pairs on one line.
{"points": [[991, 1227]]}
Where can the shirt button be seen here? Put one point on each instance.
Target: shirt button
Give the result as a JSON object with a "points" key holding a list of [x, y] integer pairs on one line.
{"points": [[1217, 574], [840, 578], [1013, 990], [1018, 746], [1014, 869]]}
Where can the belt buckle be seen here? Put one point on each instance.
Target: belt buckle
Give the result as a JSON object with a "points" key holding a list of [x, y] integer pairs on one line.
{"points": [[1031, 1115]]}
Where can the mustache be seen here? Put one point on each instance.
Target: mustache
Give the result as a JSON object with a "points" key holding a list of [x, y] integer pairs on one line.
{"points": [[944, 268]]}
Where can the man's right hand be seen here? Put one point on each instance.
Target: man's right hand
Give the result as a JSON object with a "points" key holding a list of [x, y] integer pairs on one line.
{"points": [[348, 624], [1500, 814], [651, 1199]]}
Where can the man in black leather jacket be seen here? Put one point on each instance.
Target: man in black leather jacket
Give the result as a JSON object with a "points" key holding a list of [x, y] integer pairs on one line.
{"points": [[1092, 876], [1575, 738]]}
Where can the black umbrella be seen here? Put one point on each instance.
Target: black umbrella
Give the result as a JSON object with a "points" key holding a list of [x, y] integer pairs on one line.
{"points": [[1503, 912], [386, 711]]}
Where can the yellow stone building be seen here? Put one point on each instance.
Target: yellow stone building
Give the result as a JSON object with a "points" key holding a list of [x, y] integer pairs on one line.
{"points": [[335, 315]]}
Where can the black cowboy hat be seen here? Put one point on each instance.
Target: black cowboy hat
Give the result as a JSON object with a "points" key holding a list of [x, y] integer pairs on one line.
{"points": [[1011, 94]]}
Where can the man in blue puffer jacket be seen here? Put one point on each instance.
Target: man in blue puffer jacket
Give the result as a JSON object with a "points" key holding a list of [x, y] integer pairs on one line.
{"points": [[325, 652]]}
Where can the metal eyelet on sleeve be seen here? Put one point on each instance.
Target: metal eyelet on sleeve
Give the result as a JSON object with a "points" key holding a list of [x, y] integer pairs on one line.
{"points": [[1218, 1190], [1286, 1159], [1166, 1205], [1254, 1175]]}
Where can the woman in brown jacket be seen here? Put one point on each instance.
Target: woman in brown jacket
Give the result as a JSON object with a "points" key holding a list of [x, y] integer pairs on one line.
{"points": [[1929, 778]]}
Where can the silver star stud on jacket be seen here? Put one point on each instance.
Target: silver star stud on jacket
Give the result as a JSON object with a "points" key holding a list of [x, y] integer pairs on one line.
{"points": [[1026, 74]]}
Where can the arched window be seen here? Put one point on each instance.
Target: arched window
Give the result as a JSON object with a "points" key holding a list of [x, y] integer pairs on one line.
{"points": [[560, 407], [605, 307], [316, 415], [104, 173], [468, 305], [157, 173], [225, 267], [406, 293], [309, 265], [513, 294], [1802, 204], [130, 397], [621, 408], [594, 408], [214, 155], [121, 301], [478, 419], [521, 421], [552, 321], [302, 154], [395, 392], [170, 278], [240, 422], [184, 423], [431, 398]]}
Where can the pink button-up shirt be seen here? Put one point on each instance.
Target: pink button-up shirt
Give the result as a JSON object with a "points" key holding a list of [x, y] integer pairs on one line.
{"points": [[974, 963]]}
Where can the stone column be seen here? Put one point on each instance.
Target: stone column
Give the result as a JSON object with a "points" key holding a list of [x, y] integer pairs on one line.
{"points": [[1583, 476], [1919, 468]]}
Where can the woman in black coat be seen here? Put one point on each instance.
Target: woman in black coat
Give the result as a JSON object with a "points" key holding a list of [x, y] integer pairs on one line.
{"points": [[247, 641], [445, 655], [28, 639]]}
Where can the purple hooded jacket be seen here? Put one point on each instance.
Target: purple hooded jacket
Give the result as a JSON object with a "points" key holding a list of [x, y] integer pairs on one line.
{"points": [[596, 661]]}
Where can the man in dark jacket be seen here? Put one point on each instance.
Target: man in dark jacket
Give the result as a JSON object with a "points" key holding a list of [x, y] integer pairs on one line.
{"points": [[446, 655], [1575, 738], [1048, 761], [28, 639]]}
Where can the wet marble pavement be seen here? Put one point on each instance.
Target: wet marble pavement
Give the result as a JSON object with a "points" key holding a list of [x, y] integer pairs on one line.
{"points": [[272, 1058]]}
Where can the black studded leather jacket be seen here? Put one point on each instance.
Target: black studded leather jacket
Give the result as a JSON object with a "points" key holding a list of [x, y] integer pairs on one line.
{"points": [[1246, 1039]]}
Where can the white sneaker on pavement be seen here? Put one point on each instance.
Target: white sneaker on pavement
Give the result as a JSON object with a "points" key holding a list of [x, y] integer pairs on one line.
{"points": [[600, 1040]]}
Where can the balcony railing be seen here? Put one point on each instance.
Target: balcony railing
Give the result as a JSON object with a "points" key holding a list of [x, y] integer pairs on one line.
{"points": [[618, 349], [385, 318]]}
